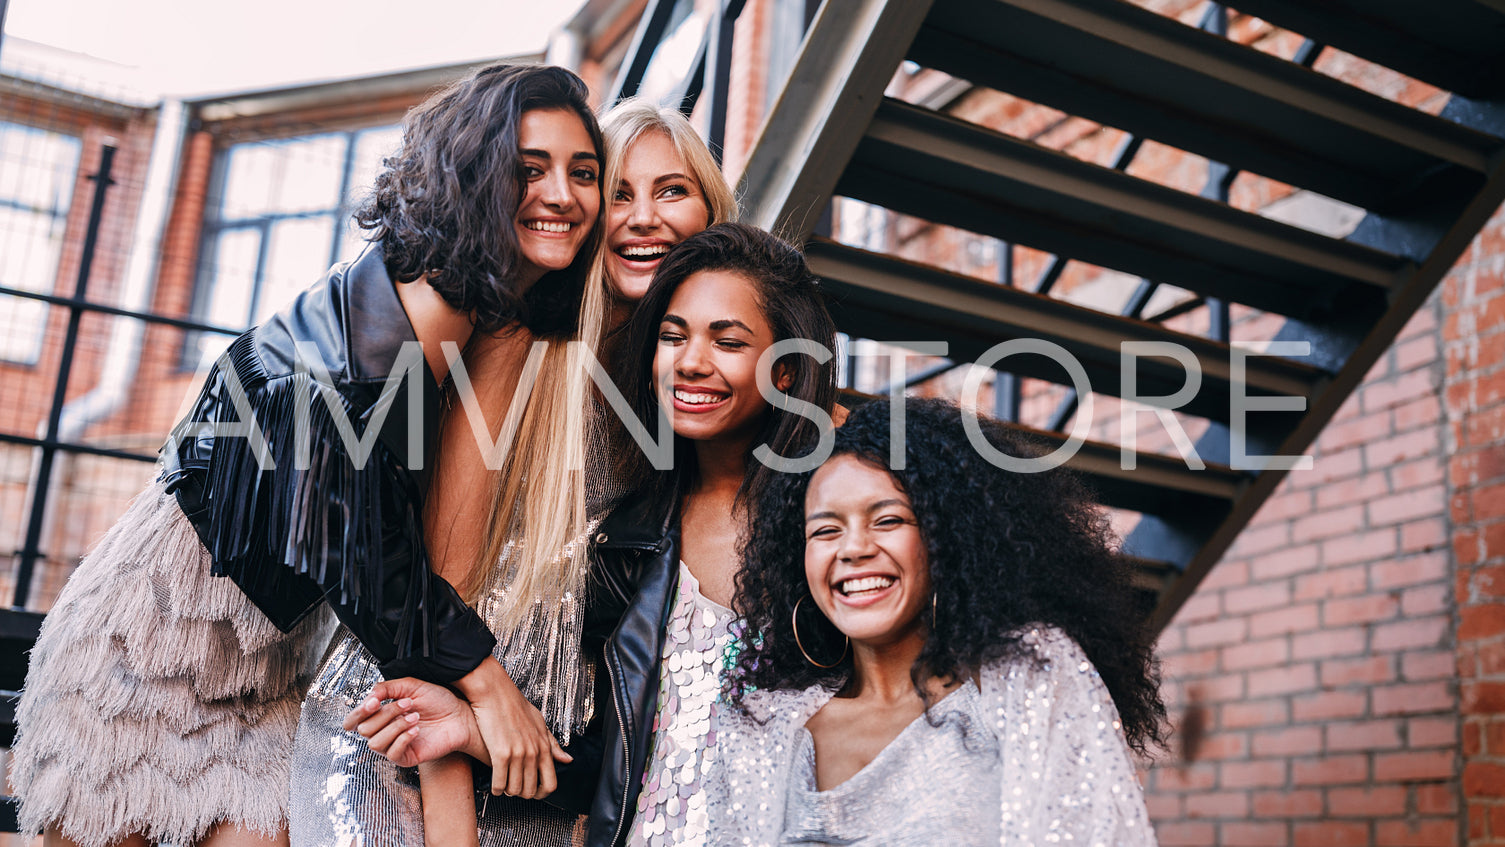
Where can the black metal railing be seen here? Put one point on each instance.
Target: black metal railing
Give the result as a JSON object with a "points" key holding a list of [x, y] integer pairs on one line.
{"points": [[710, 71], [51, 443]]}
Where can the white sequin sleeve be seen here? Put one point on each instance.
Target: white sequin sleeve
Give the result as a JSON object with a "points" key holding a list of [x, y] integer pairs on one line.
{"points": [[747, 790], [1067, 774]]}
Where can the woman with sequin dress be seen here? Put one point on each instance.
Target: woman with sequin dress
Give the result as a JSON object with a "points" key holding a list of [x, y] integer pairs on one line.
{"points": [[666, 559], [945, 653], [664, 185]]}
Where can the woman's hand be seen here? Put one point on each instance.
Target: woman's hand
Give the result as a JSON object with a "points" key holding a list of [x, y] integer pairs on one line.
{"points": [[421, 722], [521, 749]]}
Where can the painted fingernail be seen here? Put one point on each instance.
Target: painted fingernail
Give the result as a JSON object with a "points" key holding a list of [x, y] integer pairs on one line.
{"points": [[406, 703], [369, 704], [411, 717], [413, 731]]}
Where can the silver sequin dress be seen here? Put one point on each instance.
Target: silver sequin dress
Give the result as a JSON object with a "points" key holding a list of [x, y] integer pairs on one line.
{"points": [[1034, 755], [346, 795], [671, 808]]}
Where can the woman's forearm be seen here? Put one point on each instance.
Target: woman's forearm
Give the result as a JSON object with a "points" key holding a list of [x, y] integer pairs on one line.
{"points": [[449, 815]]}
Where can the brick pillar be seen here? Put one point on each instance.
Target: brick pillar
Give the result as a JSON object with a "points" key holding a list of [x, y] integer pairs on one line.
{"points": [[1474, 330], [749, 81]]}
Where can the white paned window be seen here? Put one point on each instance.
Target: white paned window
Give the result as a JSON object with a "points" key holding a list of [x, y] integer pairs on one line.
{"points": [[279, 218], [37, 173]]}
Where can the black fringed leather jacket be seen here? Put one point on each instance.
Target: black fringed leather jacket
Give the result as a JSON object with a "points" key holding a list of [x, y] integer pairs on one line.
{"points": [[319, 527]]}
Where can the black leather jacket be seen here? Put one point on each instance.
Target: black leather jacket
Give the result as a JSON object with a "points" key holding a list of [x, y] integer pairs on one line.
{"points": [[633, 584], [317, 527]]}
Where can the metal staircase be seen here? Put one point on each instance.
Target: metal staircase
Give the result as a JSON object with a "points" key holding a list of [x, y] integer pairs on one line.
{"points": [[1428, 183]]}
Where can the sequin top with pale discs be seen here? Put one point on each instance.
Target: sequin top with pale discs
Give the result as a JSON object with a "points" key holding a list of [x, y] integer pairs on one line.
{"points": [[671, 809], [1033, 754]]}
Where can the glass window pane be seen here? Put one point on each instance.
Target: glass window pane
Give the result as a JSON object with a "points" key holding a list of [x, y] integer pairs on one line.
{"points": [[248, 181], [22, 325], [37, 167], [371, 146], [286, 176], [30, 243], [231, 284], [37, 174], [312, 168], [297, 255], [235, 259]]}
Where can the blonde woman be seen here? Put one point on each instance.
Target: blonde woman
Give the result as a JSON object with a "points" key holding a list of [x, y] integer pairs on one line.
{"points": [[517, 553]]}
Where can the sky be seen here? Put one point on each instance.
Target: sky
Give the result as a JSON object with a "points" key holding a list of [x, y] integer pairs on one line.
{"points": [[202, 46]]}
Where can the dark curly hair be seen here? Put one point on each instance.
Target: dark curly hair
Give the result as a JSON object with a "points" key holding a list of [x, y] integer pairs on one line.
{"points": [[795, 309], [444, 204], [1005, 549]]}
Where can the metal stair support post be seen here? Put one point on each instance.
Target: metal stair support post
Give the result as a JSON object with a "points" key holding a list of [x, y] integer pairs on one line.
{"points": [[849, 55]]}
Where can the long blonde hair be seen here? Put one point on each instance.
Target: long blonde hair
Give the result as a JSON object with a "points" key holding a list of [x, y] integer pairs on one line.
{"points": [[542, 491]]}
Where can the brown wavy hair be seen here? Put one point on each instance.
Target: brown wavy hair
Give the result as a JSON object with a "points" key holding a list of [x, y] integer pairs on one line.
{"points": [[443, 206]]}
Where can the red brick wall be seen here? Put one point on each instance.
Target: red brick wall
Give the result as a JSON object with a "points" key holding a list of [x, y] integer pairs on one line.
{"points": [[1310, 679], [1473, 305]]}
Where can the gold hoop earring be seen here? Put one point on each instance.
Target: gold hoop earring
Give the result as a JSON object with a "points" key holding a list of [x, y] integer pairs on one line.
{"points": [[794, 622], [932, 611]]}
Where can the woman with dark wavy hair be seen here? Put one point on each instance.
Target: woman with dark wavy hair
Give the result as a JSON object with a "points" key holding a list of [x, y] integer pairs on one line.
{"points": [[942, 653], [160, 703]]}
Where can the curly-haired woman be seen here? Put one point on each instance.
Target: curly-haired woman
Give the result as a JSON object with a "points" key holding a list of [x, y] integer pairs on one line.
{"points": [[943, 653]]}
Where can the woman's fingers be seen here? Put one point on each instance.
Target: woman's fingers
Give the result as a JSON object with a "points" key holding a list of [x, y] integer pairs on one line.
{"points": [[385, 715], [515, 776], [397, 689], [382, 739], [530, 774], [398, 752], [366, 709], [547, 780]]}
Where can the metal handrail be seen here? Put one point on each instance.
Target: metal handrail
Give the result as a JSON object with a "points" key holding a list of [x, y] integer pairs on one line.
{"points": [[710, 73]]}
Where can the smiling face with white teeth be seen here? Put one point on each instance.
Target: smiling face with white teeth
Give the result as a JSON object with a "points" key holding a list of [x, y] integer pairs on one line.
{"points": [[865, 558], [657, 204], [704, 366], [561, 199]]}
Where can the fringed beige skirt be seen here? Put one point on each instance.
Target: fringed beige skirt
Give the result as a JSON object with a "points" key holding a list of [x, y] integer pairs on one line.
{"points": [[158, 700]]}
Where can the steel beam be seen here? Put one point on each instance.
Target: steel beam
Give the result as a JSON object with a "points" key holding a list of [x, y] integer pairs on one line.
{"points": [[1157, 485], [1443, 251], [848, 57], [1130, 68], [888, 299], [1453, 44], [956, 173]]}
